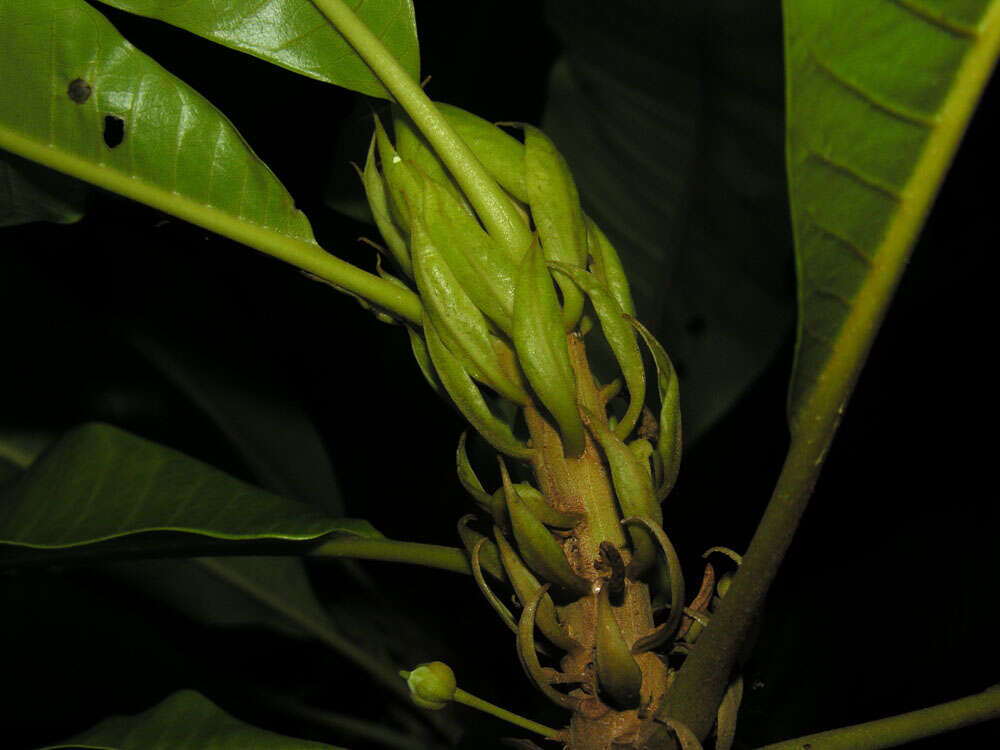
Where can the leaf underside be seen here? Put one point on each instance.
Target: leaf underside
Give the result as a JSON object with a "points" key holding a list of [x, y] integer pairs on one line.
{"points": [[184, 719], [99, 483], [669, 115], [879, 94]]}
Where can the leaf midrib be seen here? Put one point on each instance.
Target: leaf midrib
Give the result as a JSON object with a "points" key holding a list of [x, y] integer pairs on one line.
{"points": [[835, 380], [308, 256]]}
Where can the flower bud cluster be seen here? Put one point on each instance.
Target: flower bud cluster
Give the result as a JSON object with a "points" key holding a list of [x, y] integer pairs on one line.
{"points": [[499, 311]]}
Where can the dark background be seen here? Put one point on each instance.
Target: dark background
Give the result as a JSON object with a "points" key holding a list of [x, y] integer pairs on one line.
{"points": [[886, 602]]}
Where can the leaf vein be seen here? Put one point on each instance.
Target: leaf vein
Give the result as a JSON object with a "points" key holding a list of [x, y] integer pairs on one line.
{"points": [[850, 244], [873, 183], [894, 109], [938, 20]]}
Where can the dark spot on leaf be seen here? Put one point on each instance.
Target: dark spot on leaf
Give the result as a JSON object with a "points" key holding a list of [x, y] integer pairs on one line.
{"points": [[695, 325], [79, 90], [114, 131]]}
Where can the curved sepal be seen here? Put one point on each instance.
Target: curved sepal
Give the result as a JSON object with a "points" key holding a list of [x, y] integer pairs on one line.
{"points": [[470, 482], [633, 488], [556, 212], [539, 507], [540, 342], [423, 358], [528, 657], [489, 555], [620, 337], [540, 550], [466, 396], [663, 632], [607, 266], [668, 441], [499, 607], [526, 586], [618, 673], [729, 709]]}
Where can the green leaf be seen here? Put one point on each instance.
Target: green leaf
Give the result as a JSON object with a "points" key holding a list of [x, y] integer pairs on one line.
{"points": [[80, 81], [185, 719], [879, 95], [294, 35], [670, 117], [29, 192], [261, 419], [99, 483], [90, 105]]}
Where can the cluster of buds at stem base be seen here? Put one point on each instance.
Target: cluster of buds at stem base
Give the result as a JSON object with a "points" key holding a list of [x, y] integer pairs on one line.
{"points": [[512, 302]]}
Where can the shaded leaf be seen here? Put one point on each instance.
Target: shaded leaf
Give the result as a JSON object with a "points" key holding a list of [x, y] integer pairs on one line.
{"points": [[185, 719], [266, 425], [295, 35], [868, 146], [669, 116], [29, 192], [99, 483]]}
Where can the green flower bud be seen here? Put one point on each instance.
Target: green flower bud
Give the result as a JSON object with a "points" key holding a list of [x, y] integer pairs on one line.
{"points": [[455, 317], [555, 209], [403, 181], [468, 399], [633, 489], [500, 153], [620, 337], [526, 586], [539, 506], [414, 148], [607, 266], [432, 685], [485, 272], [538, 547], [617, 671], [540, 342], [378, 200]]}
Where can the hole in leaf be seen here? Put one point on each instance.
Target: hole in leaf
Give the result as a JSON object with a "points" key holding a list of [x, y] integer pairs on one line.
{"points": [[79, 90], [114, 131]]}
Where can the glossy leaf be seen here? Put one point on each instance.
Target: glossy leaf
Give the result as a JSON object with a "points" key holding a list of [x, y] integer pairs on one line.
{"points": [[295, 35], [670, 116], [167, 133], [878, 137], [185, 719], [90, 105], [99, 483]]}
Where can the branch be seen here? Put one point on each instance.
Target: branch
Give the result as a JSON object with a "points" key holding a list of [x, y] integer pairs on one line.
{"points": [[898, 730]]}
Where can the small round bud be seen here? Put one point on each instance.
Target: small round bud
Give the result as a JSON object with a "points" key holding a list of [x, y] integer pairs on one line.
{"points": [[432, 685]]}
